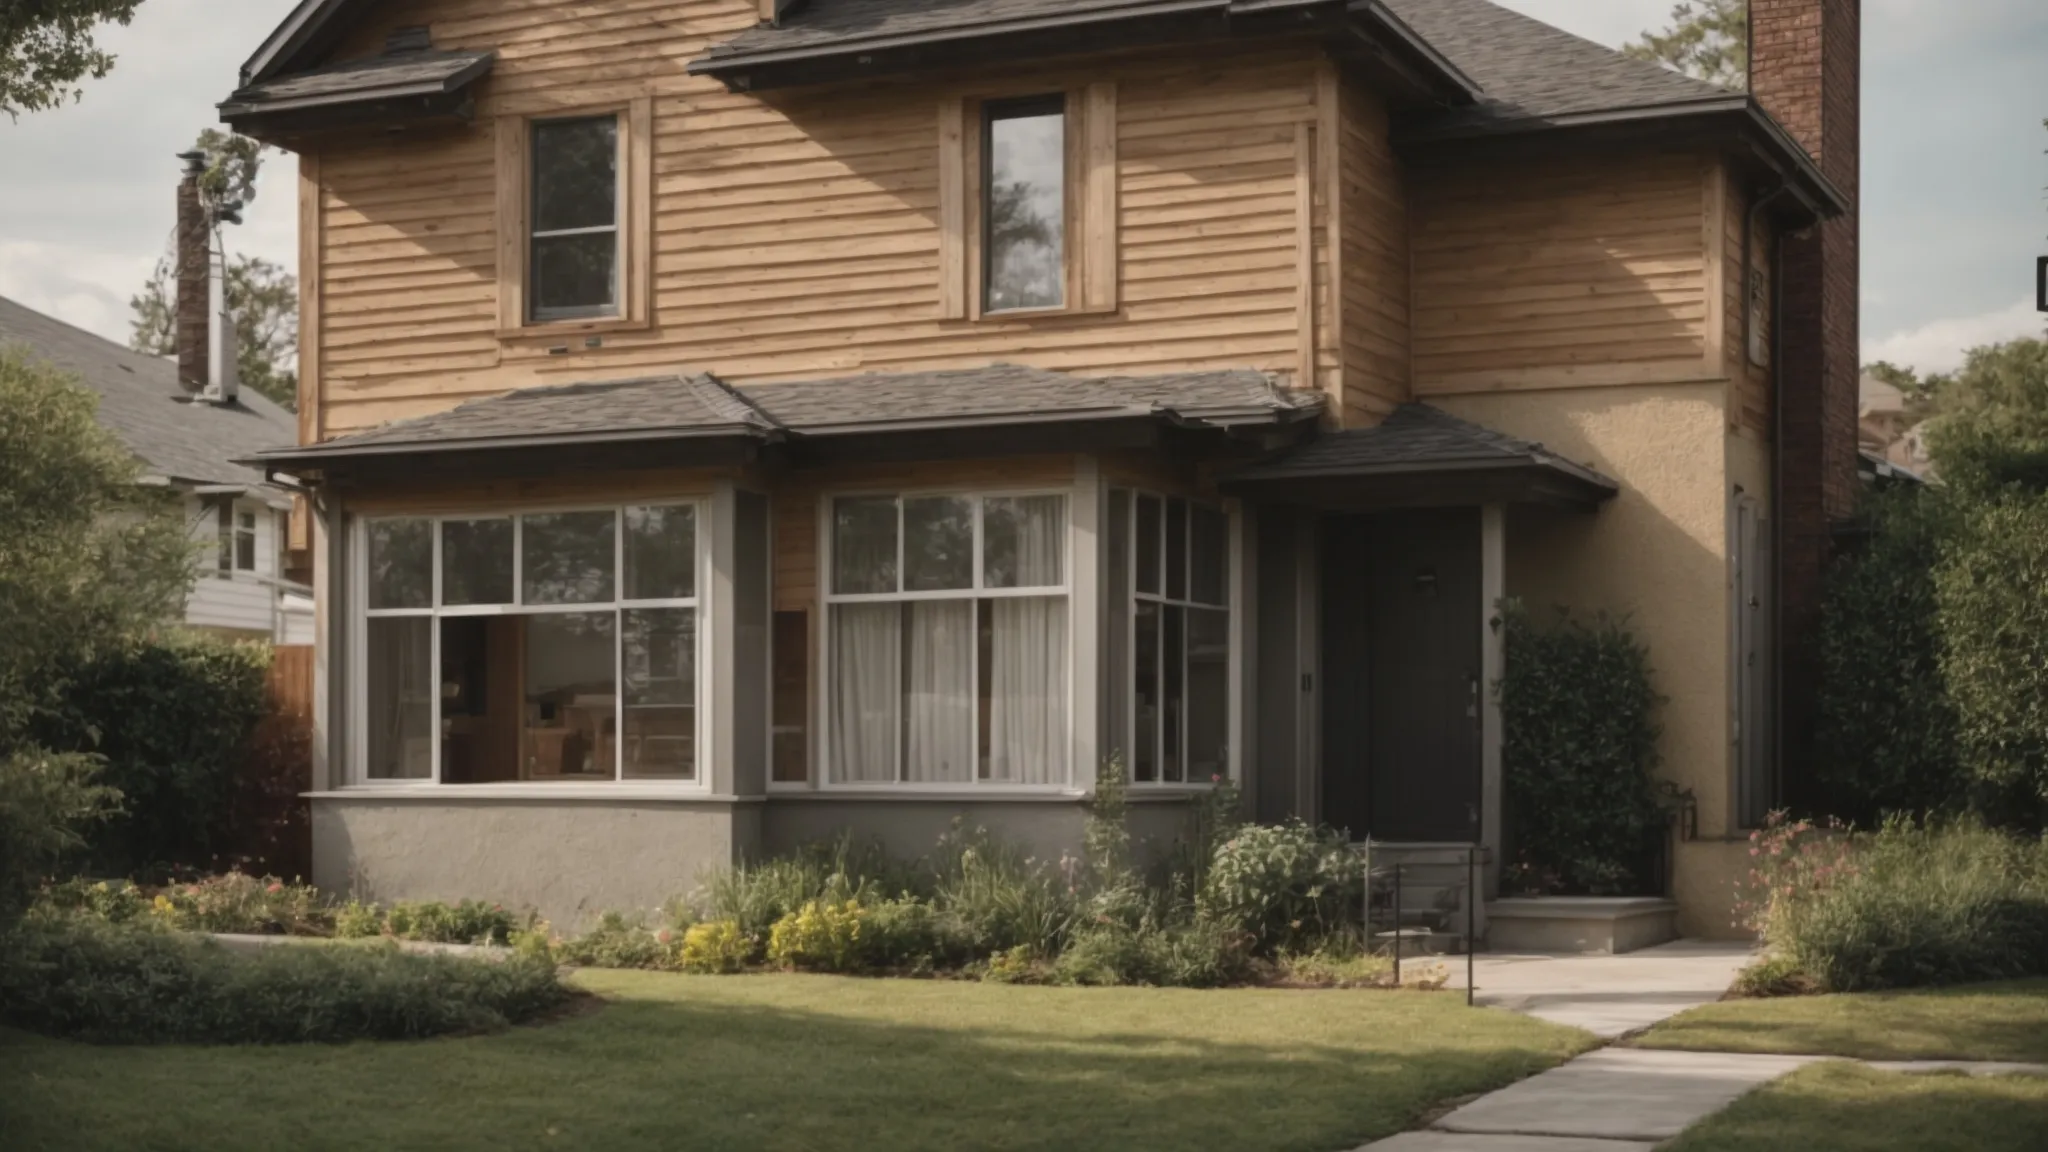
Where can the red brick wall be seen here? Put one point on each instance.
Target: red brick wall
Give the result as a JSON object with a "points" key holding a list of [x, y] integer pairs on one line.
{"points": [[1806, 70], [189, 324]]}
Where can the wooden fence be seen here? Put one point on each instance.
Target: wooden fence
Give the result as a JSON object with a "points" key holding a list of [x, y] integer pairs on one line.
{"points": [[291, 680]]}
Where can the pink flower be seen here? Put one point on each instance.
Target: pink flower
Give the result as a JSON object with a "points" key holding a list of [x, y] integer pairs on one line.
{"points": [[274, 887], [662, 935]]}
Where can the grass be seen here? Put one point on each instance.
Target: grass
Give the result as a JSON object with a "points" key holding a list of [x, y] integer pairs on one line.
{"points": [[816, 1064], [2003, 1021], [1846, 1107]]}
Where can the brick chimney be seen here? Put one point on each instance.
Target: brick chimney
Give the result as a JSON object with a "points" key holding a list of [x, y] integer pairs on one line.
{"points": [[1806, 71], [190, 328]]}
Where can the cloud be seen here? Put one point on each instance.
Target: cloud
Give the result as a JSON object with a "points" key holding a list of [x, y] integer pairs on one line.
{"points": [[88, 287], [1940, 346]]}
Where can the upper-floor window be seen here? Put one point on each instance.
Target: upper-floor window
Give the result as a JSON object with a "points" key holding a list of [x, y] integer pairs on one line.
{"points": [[237, 540], [1024, 193], [574, 260]]}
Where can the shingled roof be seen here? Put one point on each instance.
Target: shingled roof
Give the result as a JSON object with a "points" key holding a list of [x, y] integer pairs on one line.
{"points": [[392, 76], [179, 440]]}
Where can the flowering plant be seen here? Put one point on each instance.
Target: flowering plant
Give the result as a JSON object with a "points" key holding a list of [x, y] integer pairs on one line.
{"points": [[1791, 861]]}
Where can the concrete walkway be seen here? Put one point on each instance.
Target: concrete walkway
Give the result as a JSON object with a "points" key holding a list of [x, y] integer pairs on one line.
{"points": [[1608, 996]]}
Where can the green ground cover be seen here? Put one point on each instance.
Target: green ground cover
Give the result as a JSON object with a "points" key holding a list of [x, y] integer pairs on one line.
{"points": [[815, 1064], [2005, 1021], [1844, 1107]]}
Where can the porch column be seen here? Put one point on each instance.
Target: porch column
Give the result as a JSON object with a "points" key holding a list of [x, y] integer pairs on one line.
{"points": [[1492, 661], [1089, 613]]}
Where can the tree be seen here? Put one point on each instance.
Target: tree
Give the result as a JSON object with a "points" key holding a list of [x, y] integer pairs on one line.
{"points": [[1707, 40], [46, 48], [262, 297], [1922, 393], [1992, 430], [89, 558]]}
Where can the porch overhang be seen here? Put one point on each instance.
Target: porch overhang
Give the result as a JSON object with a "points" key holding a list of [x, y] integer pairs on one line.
{"points": [[1419, 457], [402, 88]]}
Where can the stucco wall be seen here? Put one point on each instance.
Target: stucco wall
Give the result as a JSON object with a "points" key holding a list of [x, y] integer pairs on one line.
{"points": [[1656, 554], [909, 828], [566, 859]]}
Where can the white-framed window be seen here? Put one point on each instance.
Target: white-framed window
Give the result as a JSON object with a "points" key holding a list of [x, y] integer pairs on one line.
{"points": [[237, 530], [556, 646], [1169, 641], [946, 643]]}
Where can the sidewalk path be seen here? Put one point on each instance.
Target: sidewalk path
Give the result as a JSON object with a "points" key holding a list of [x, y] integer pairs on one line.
{"points": [[1608, 996]]}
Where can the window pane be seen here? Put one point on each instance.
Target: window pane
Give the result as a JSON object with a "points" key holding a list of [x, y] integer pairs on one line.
{"points": [[481, 704], [567, 557], [938, 692], [1148, 545], [1211, 579], [864, 545], [1145, 692], [245, 542], [400, 715], [576, 274], [571, 697], [1176, 549], [938, 543], [1174, 693], [224, 528], [401, 563], [1025, 541], [866, 691], [476, 561], [575, 173], [1208, 695], [1025, 206], [792, 677], [1024, 689], [661, 553], [659, 647]]}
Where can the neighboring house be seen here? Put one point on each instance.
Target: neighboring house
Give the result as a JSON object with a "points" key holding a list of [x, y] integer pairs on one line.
{"points": [[1887, 431], [189, 444], [732, 424]]}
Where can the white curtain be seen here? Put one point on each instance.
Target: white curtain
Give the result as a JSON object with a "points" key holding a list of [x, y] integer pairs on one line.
{"points": [[1028, 691], [1026, 541], [867, 685], [940, 701]]}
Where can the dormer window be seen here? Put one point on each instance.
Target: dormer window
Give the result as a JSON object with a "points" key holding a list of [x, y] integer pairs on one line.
{"points": [[573, 266]]}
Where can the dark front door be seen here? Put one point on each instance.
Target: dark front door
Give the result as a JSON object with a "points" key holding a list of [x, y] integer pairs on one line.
{"points": [[1401, 619]]}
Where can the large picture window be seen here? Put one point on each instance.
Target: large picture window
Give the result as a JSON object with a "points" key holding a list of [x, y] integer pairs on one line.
{"points": [[554, 647], [1170, 617], [947, 640]]}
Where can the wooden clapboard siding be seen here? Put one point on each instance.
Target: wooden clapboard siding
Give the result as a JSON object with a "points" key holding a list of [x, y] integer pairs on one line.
{"points": [[1375, 298], [1749, 396], [1574, 271], [797, 234]]}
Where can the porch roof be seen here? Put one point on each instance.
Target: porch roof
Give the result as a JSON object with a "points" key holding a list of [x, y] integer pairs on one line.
{"points": [[683, 420], [407, 82], [1420, 456]]}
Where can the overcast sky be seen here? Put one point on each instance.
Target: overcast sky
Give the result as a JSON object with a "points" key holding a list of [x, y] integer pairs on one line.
{"points": [[1955, 92]]}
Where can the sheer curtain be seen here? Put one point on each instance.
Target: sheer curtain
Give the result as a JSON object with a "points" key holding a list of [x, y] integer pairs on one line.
{"points": [[940, 697], [867, 686], [1028, 691]]}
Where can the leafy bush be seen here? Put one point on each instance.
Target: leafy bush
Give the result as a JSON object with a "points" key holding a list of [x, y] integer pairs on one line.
{"points": [[1001, 898], [1284, 885], [619, 941], [1915, 905], [46, 803], [464, 922], [908, 935], [240, 903], [1183, 956], [115, 901], [1992, 432], [1340, 962], [755, 896], [1885, 738], [1579, 756], [87, 980], [819, 937], [716, 947], [1994, 621], [356, 920]]}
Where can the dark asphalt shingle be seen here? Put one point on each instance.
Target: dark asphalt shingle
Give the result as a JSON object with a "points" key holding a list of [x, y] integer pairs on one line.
{"points": [[819, 23], [684, 405], [140, 401], [1412, 436], [407, 73]]}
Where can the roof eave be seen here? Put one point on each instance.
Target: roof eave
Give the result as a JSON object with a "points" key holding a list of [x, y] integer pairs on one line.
{"points": [[318, 454], [299, 28]]}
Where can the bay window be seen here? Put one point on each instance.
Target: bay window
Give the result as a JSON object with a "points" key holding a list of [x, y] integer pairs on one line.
{"points": [[556, 647], [946, 640], [1169, 643]]}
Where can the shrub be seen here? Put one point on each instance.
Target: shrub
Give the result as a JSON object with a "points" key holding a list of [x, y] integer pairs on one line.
{"points": [[1001, 898], [1885, 737], [356, 920], [1994, 620], [115, 901], [908, 935], [88, 980], [464, 922], [1017, 965], [1284, 885], [1579, 755], [819, 937], [755, 896], [240, 903], [619, 941], [46, 803], [715, 947], [1340, 962]]}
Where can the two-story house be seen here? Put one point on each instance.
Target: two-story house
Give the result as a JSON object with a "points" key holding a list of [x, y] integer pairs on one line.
{"points": [[733, 422]]}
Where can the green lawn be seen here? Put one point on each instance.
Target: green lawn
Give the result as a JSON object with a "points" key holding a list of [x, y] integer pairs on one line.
{"points": [[1845, 1107], [2005, 1021], [812, 1064]]}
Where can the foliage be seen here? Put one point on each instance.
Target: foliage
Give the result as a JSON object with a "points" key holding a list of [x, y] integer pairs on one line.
{"points": [[1579, 754], [1790, 860], [1002, 898], [1105, 832], [909, 935], [46, 804], [174, 719], [2003, 1020], [1915, 905], [757, 895], [463, 922], [89, 980], [1885, 730], [620, 941], [1992, 431], [89, 558], [1183, 956], [1707, 40], [1339, 962], [46, 48], [1922, 394], [115, 901], [357, 920], [244, 904], [716, 947], [819, 937], [1287, 886], [1994, 623]]}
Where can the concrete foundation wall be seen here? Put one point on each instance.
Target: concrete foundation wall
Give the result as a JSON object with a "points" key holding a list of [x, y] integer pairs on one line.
{"points": [[909, 828]]}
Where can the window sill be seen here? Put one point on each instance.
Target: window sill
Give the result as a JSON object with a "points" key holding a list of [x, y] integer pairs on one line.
{"points": [[545, 330], [835, 794], [1036, 315], [445, 793]]}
